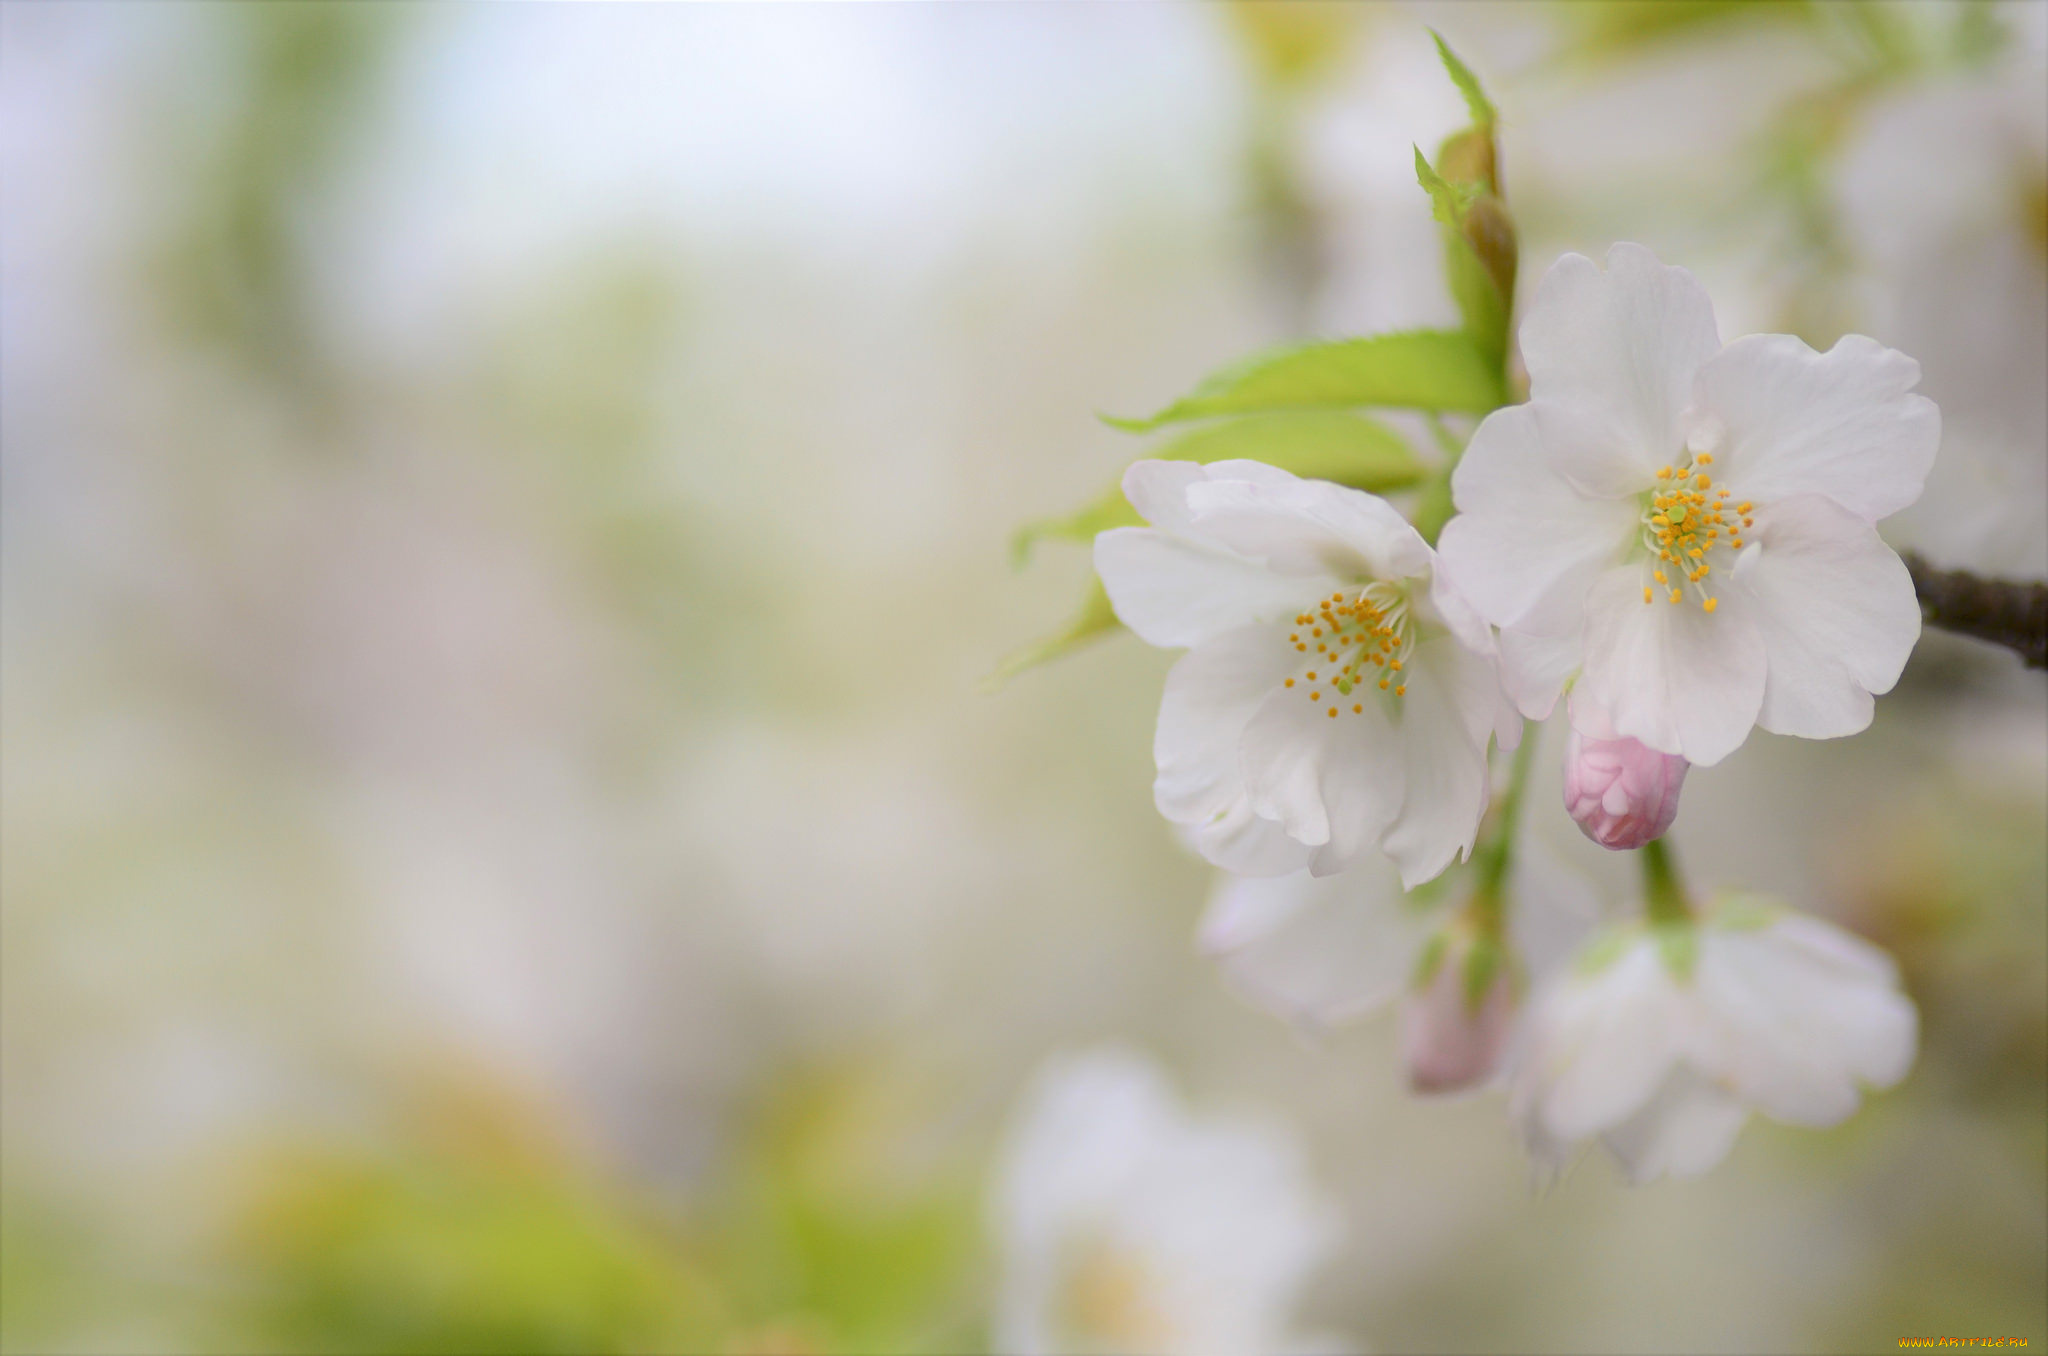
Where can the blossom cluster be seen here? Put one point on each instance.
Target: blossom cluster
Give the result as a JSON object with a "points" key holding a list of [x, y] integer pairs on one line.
{"points": [[1680, 534]]}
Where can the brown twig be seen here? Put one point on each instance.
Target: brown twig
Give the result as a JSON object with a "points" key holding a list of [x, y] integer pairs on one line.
{"points": [[2003, 611]]}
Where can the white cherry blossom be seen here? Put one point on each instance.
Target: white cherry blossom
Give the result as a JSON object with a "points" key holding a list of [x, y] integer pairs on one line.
{"points": [[1941, 189], [1690, 526], [1124, 1225], [1336, 696], [1662, 1040]]}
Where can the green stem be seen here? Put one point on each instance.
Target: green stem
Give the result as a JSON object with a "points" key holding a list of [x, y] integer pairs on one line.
{"points": [[1497, 853], [1663, 894]]}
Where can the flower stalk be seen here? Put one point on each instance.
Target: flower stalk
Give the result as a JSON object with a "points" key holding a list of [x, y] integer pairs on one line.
{"points": [[1664, 895], [1488, 906]]}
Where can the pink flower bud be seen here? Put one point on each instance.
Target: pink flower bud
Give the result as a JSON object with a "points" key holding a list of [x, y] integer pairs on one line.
{"points": [[1453, 1029], [1621, 793]]}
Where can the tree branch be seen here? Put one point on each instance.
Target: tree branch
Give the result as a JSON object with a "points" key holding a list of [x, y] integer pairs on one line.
{"points": [[2003, 611]]}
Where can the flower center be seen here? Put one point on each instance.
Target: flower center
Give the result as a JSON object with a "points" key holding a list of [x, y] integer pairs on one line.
{"points": [[1354, 641], [1108, 1296], [1686, 519]]}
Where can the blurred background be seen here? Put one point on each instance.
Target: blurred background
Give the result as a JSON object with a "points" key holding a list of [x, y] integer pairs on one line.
{"points": [[502, 528]]}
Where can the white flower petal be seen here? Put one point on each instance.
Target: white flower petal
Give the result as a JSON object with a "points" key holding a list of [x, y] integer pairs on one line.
{"points": [[1797, 1027], [1837, 613], [1522, 530], [1334, 783], [1535, 668], [1322, 950], [1449, 605], [1876, 1036], [1604, 1044], [1611, 358], [1493, 708], [1840, 423], [1176, 592], [1555, 906], [1677, 678], [1688, 1127], [1239, 840], [1445, 720], [1243, 912], [1211, 694], [1158, 490], [1309, 527], [1087, 1125]]}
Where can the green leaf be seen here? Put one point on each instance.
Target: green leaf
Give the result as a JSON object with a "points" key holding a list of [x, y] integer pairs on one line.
{"points": [[1437, 370], [1107, 510], [1467, 83], [1448, 201], [1095, 620], [1349, 449]]}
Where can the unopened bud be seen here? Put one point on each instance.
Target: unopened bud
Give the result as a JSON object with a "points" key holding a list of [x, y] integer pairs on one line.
{"points": [[1620, 792], [1467, 157], [1455, 1023], [1490, 231]]}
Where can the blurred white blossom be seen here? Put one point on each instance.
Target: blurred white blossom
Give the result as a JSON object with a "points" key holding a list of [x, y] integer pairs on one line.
{"points": [[1942, 192], [1125, 1225], [1662, 1040]]}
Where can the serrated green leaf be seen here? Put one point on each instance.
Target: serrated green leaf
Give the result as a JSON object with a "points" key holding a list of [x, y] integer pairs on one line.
{"points": [[1349, 449], [1438, 370], [1095, 620], [1448, 201], [1468, 84]]}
